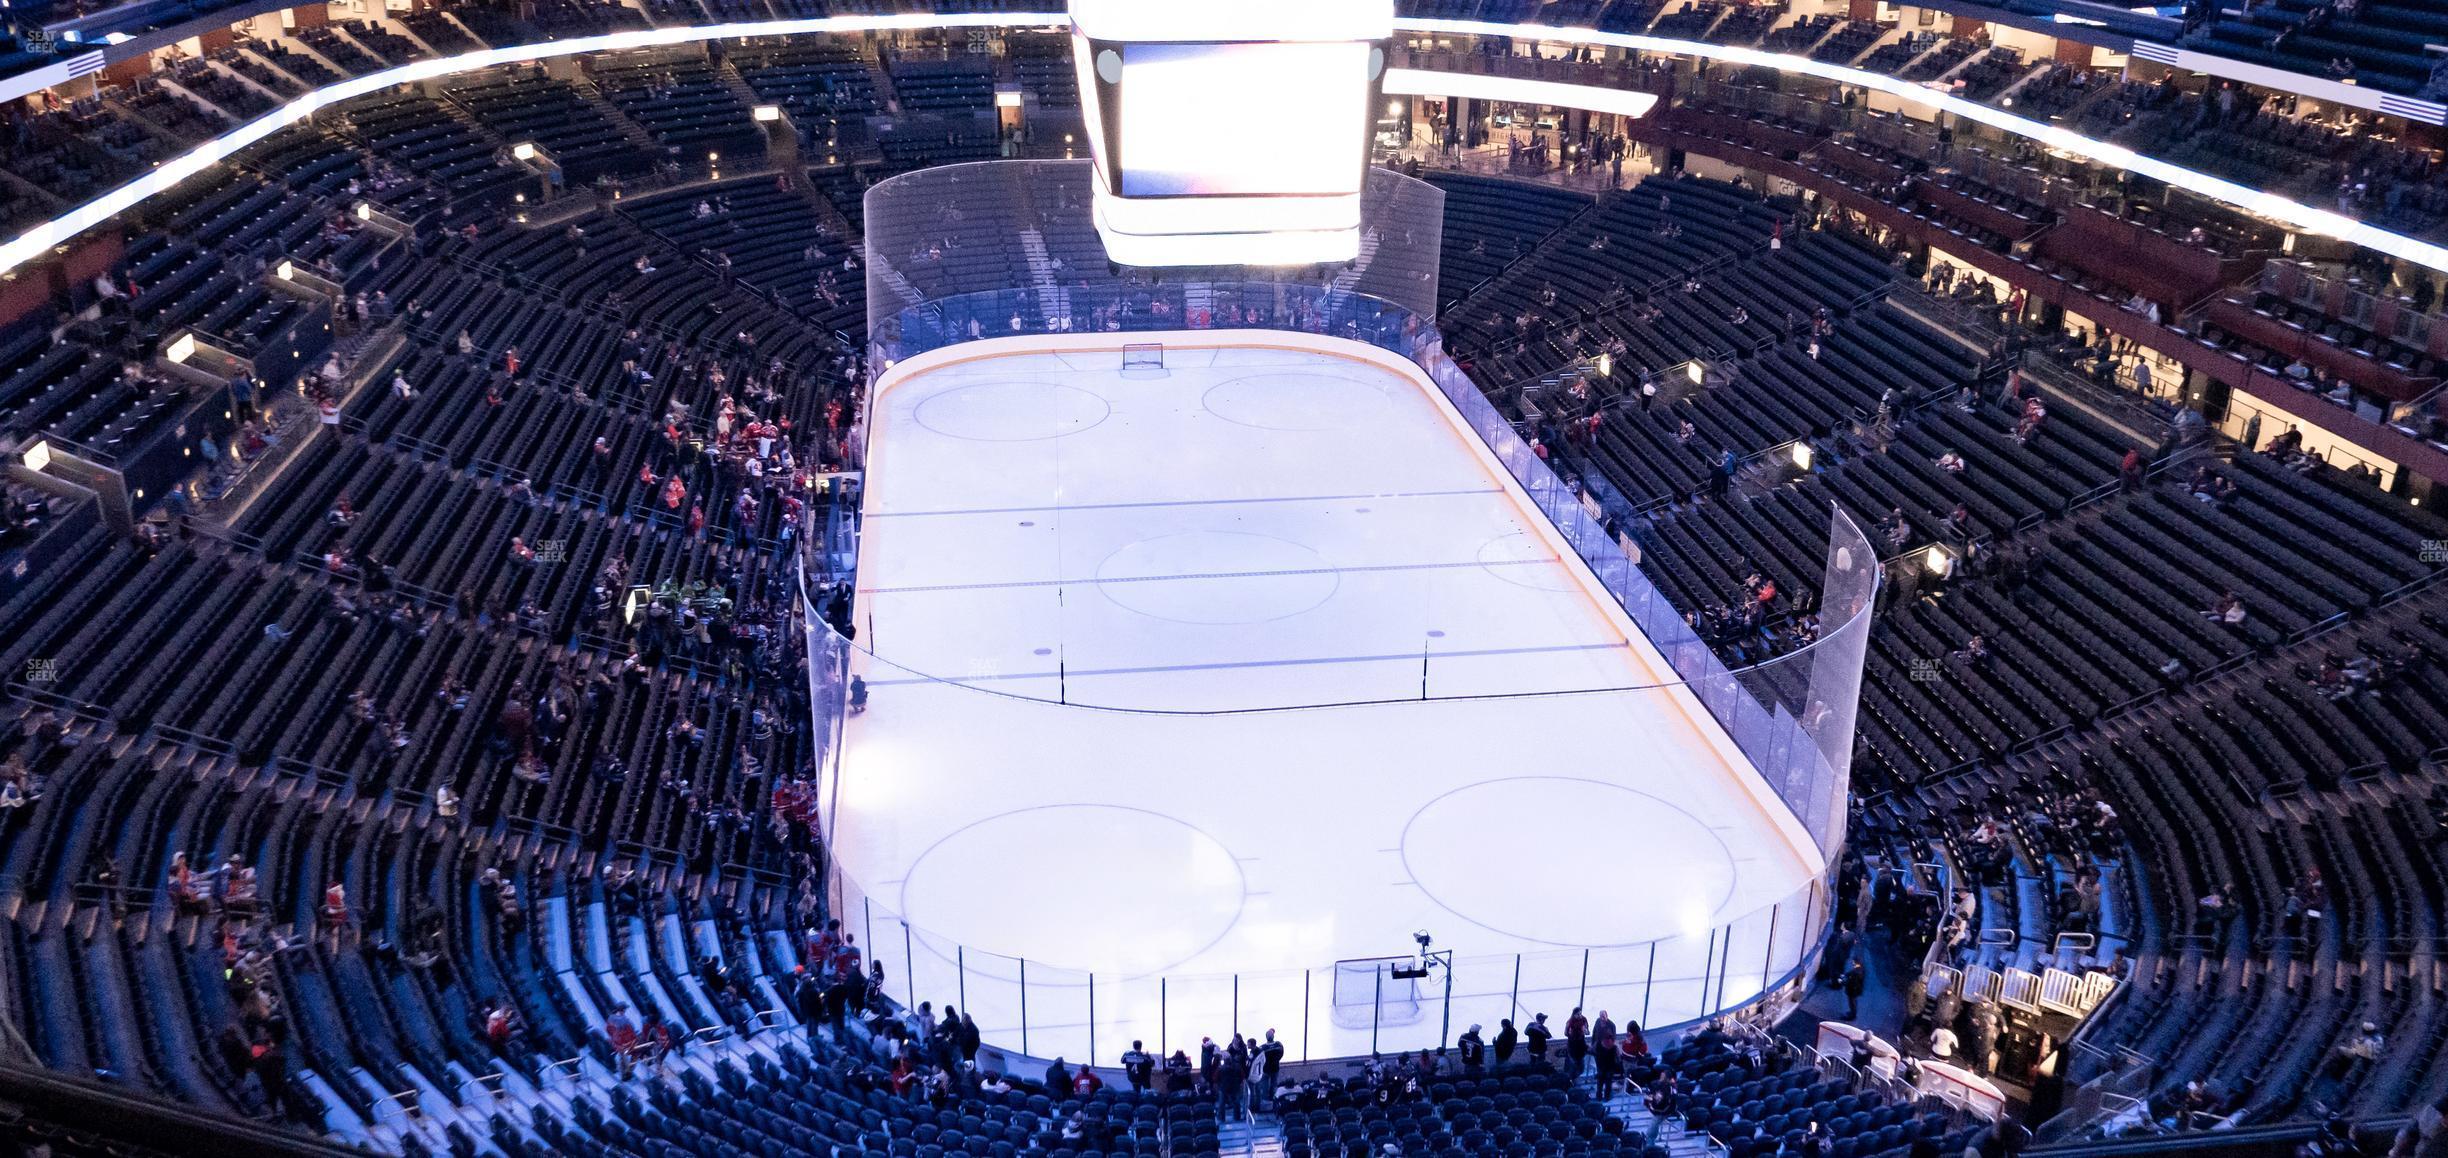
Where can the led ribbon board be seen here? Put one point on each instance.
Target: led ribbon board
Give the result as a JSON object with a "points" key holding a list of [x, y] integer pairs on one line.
{"points": [[34, 243], [2270, 205]]}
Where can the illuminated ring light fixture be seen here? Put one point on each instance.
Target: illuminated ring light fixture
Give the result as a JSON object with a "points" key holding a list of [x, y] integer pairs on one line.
{"points": [[34, 243]]}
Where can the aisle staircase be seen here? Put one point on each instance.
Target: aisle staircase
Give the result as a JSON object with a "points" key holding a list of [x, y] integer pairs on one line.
{"points": [[1261, 1136], [1052, 298], [1640, 1123], [1349, 279]]}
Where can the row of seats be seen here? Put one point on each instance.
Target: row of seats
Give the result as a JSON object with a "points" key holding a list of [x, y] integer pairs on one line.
{"points": [[2379, 43]]}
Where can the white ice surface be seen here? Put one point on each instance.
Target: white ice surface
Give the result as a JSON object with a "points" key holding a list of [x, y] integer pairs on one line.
{"points": [[1194, 562]]}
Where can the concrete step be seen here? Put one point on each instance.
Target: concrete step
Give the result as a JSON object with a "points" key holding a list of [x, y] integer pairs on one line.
{"points": [[1630, 1109], [1260, 1137]]}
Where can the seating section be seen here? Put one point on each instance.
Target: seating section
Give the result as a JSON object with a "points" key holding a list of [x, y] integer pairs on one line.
{"points": [[334, 685], [306, 68], [1894, 56], [333, 44], [1593, 284], [2381, 43], [827, 89], [777, 241], [460, 170], [440, 32], [1991, 73], [1773, 1105], [2071, 658], [684, 102], [529, 106], [1802, 35], [1519, 1110], [2252, 138], [1043, 66], [1489, 224], [1942, 58], [1848, 43], [953, 84], [98, 387]]}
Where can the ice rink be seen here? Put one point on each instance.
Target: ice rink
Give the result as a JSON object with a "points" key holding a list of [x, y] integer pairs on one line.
{"points": [[1247, 668]]}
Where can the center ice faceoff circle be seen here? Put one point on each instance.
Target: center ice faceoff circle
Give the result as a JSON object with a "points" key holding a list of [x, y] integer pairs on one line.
{"points": [[1296, 401], [1019, 410], [1144, 862], [1675, 876], [1217, 577]]}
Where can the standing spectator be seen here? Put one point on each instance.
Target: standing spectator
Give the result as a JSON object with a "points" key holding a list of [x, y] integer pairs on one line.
{"points": [[1602, 1043], [1139, 1068], [1576, 1043], [1536, 1039], [335, 912], [1473, 1050], [1232, 1081], [1270, 1068]]}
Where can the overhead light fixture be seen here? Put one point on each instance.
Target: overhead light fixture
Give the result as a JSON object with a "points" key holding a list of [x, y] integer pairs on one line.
{"points": [[524, 150], [1938, 560], [365, 211], [38, 455], [769, 112], [286, 270], [185, 347], [1801, 456], [1695, 371]]}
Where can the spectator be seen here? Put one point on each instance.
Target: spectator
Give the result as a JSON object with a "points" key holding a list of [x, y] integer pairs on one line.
{"points": [[1139, 1068]]}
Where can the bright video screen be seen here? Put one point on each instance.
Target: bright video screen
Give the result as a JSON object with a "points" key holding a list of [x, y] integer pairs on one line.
{"points": [[1243, 119]]}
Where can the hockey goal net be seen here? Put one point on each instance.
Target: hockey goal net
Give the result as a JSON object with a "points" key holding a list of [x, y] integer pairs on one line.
{"points": [[1366, 992], [1143, 358]]}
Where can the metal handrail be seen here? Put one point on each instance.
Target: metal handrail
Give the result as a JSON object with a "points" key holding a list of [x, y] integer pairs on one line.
{"points": [[404, 1100], [251, 544], [574, 1065], [96, 714], [494, 1084]]}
